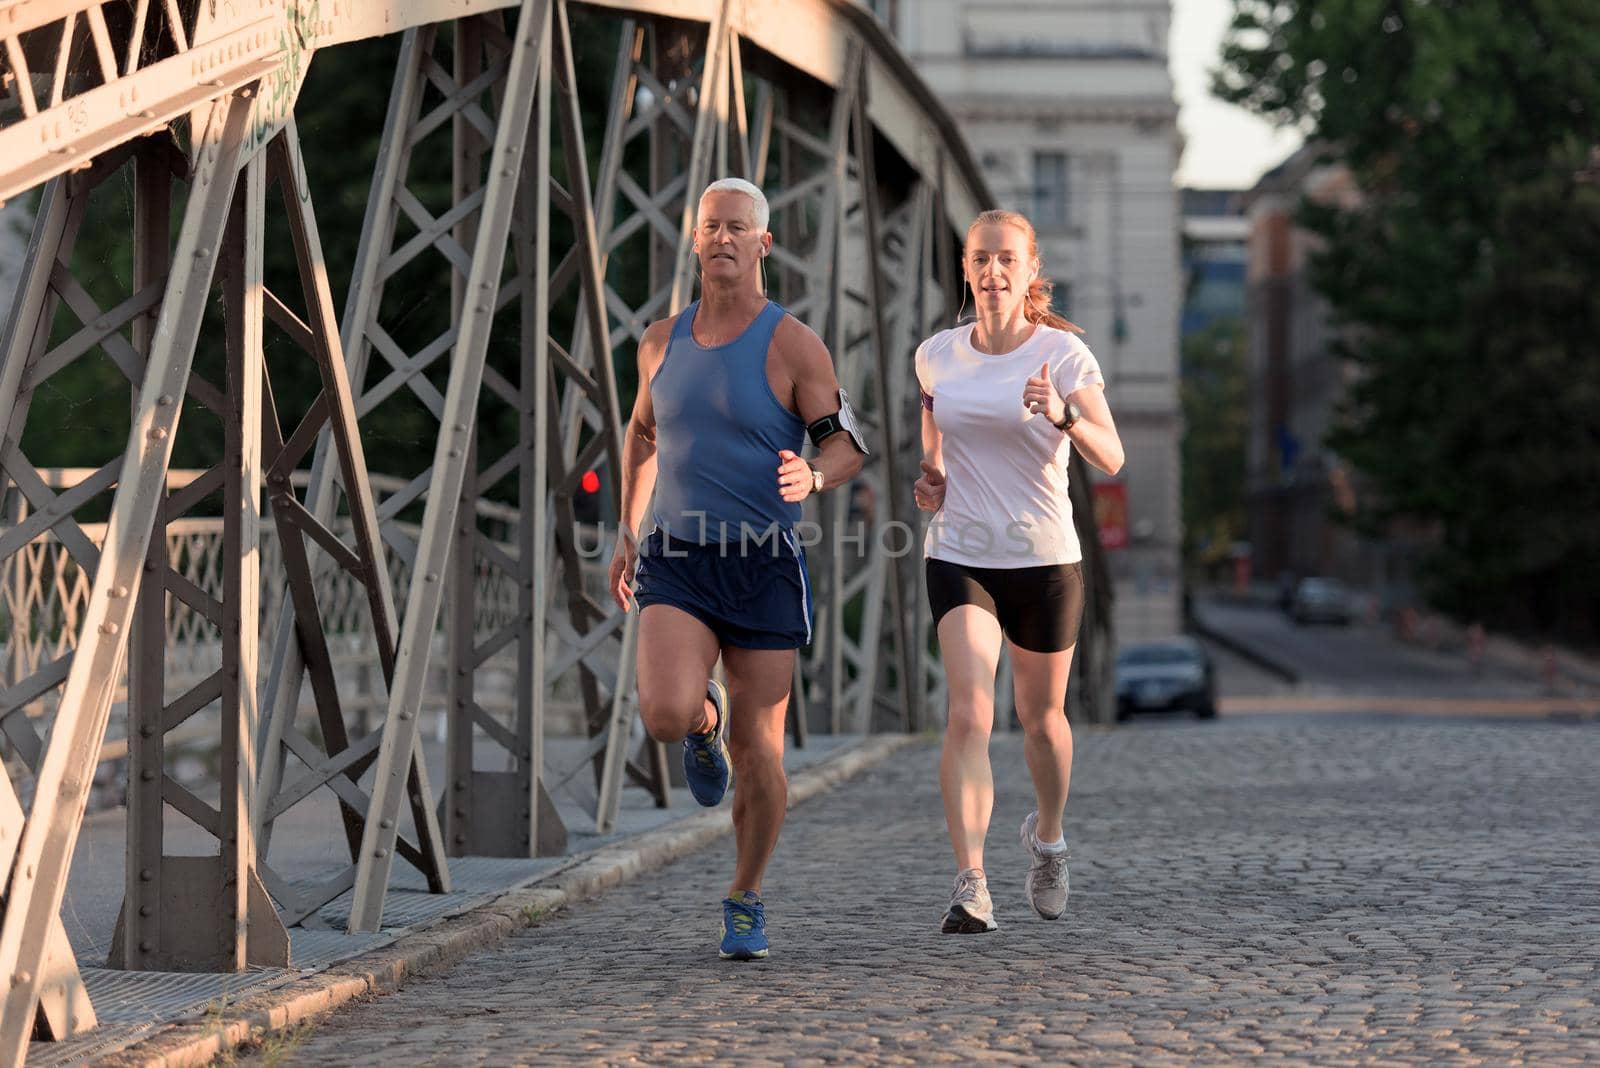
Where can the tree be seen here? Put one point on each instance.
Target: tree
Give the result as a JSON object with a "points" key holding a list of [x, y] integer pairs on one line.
{"points": [[1465, 280]]}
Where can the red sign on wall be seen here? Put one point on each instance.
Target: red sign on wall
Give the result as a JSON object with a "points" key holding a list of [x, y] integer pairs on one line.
{"points": [[1111, 514]]}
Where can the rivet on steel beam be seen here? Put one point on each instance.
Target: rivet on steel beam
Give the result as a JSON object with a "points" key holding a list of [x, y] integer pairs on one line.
{"points": [[119, 591], [20, 979], [147, 775], [431, 577], [158, 433], [108, 627], [147, 731], [461, 813], [386, 824], [145, 910], [146, 947], [146, 875], [380, 853], [461, 839], [164, 400]]}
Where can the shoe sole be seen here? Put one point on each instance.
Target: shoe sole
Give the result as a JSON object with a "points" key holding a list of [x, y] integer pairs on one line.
{"points": [[743, 954], [959, 921]]}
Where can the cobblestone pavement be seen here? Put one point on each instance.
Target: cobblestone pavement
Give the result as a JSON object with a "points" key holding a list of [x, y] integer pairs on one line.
{"points": [[1290, 889]]}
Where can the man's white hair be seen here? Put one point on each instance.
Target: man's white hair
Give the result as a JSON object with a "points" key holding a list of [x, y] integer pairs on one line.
{"points": [[749, 189]]}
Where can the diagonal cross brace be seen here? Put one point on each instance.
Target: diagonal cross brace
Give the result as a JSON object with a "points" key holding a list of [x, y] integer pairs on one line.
{"points": [[449, 467]]}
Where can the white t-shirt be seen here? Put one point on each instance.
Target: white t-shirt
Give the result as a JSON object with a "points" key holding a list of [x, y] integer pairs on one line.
{"points": [[1005, 502]]}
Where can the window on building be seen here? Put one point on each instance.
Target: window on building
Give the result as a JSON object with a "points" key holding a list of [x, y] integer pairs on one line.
{"points": [[1050, 191]]}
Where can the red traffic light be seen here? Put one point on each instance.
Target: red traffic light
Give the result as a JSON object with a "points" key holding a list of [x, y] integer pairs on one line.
{"points": [[590, 482]]}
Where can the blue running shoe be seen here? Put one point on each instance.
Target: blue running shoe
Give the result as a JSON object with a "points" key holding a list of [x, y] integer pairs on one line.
{"points": [[744, 927], [706, 765]]}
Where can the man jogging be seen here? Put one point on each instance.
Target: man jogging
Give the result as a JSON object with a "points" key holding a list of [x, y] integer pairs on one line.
{"points": [[728, 391]]}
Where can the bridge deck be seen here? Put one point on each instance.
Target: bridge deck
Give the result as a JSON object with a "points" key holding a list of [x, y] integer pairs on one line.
{"points": [[132, 1004]]}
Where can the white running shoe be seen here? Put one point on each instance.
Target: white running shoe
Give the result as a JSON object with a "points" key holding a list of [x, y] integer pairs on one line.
{"points": [[1047, 874], [971, 909]]}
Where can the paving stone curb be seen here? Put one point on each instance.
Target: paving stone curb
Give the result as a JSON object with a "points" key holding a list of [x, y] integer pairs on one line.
{"points": [[194, 1043]]}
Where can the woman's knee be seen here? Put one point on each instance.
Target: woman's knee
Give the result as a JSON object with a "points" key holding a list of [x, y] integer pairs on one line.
{"points": [[1049, 723], [969, 719]]}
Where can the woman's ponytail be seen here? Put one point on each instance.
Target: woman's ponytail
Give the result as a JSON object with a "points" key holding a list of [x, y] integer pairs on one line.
{"points": [[1037, 309]]}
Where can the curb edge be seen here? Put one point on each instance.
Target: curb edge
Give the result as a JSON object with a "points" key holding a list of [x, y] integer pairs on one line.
{"points": [[195, 1043]]}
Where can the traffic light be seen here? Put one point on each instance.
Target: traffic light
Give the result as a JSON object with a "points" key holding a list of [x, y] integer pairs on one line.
{"points": [[586, 502]]}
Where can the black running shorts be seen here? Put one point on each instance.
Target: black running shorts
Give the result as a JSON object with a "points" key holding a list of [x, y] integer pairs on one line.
{"points": [[1038, 607]]}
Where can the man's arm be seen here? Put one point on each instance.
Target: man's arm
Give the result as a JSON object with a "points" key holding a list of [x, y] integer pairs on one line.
{"points": [[639, 436], [816, 394]]}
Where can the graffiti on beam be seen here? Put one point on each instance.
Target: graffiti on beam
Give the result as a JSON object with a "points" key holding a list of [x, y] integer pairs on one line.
{"points": [[275, 104]]}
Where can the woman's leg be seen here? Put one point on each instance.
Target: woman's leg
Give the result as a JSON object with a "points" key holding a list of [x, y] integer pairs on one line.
{"points": [[1041, 696], [969, 645]]}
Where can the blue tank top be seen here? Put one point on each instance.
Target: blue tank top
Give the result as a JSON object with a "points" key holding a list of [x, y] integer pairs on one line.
{"points": [[718, 431]]}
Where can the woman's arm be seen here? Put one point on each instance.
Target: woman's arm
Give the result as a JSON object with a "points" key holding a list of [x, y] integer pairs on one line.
{"points": [[929, 489], [1095, 433]]}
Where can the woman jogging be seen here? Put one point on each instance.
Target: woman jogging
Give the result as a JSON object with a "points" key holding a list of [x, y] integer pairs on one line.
{"points": [[1005, 400]]}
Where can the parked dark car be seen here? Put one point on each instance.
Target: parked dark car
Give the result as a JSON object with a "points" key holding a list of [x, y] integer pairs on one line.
{"points": [[1172, 675], [1320, 600]]}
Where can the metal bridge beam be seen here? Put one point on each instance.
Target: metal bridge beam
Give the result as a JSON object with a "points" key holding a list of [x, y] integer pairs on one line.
{"points": [[866, 205]]}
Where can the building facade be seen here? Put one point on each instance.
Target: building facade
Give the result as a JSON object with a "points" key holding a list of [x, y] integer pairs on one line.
{"points": [[1300, 491], [1068, 106]]}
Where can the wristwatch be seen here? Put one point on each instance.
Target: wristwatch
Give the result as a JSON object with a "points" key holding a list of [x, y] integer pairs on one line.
{"points": [[816, 478], [1074, 413]]}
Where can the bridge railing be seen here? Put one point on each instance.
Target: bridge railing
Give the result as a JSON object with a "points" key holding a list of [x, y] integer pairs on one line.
{"points": [[44, 594]]}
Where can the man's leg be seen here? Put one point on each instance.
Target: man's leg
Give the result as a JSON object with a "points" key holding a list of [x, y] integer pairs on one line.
{"points": [[758, 697], [676, 655]]}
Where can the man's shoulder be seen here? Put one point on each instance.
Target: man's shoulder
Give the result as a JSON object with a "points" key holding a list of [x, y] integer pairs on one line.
{"points": [[653, 342], [793, 338]]}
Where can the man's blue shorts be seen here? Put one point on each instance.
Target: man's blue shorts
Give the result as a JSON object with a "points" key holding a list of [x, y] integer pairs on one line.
{"points": [[752, 595]]}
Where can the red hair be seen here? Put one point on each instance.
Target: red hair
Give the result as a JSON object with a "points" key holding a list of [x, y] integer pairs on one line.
{"points": [[1036, 304]]}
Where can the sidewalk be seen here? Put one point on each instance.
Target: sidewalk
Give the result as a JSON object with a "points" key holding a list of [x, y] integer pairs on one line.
{"points": [[185, 1019], [1557, 670], [1324, 891]]}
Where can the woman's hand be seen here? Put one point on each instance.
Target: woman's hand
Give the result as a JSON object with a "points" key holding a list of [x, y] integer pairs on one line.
{"points": [[1039, 396], [930, 488], [624, 563]]}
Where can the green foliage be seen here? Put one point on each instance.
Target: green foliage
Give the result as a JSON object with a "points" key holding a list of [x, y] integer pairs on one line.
{"points": [[1465, 279], [1216, 416]]}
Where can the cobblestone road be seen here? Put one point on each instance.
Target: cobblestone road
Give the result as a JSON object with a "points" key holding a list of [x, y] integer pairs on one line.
{"points": [[1351, 890]]}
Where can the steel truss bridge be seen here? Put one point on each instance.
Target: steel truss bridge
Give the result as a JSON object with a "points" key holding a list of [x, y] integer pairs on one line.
{"points": [[298, 549]]}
